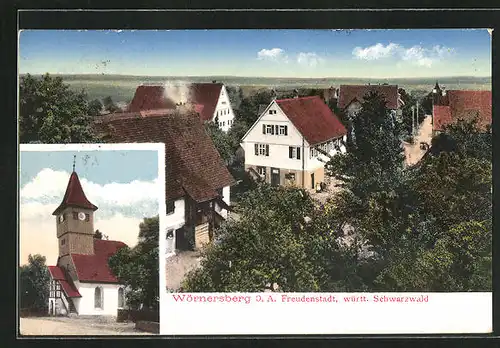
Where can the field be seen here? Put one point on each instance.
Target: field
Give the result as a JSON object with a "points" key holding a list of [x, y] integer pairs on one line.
{"points": [[121, 88]]}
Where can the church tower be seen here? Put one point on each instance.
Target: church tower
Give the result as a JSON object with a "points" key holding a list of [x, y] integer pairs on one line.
{"points": [[75, 220]]}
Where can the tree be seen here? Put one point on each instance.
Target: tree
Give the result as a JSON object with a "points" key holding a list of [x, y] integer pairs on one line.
{"points": [[137, 267], [98, 234], [109, 105], [282, 242], [409, 112], [49, 112], [461, 260], [34, 284], [248, 111], [221, 140], [374, 158], [466, 138], [95, 107]]}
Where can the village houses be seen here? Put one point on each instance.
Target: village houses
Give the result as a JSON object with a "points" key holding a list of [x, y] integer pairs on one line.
{"points": [[453, 105], [281, 147], [209, 100], [197, 181], [82, 282]]}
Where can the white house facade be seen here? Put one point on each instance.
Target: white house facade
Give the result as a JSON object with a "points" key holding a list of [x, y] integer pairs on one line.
{"points": [[281, 146], [223, 113]]}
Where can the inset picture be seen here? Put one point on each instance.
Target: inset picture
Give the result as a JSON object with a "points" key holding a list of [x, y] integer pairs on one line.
{"points": [[88, 239]]}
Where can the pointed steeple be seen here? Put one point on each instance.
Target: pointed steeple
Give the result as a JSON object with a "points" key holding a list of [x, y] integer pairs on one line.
{"points": [[74, 196]]}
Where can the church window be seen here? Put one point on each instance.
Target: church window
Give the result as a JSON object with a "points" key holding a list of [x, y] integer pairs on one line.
{"points": [[63, 241], [75, 215], [87, 217], [121, 298], [98, 297]]}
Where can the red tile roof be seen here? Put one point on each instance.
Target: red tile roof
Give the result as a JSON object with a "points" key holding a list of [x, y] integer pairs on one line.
{"points": [[312, 118], [350, 93], [463, 105], [68, 286], [193, 165], [94, 268], [149, 98], [74, 196], [204, 95]]}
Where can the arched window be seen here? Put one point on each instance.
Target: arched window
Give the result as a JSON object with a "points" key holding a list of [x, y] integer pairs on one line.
{"points": [[121, 298], [98, 297]]}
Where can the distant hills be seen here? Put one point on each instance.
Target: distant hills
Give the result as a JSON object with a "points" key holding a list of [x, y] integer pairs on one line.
{"points": [[122, 87]]}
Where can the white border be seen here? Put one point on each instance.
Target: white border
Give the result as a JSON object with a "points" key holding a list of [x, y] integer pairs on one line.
{"points": [[159, 147], [443, 313]]}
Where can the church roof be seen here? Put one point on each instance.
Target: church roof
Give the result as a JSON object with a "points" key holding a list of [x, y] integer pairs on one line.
{"points": [[68, 286], [94, 268], [74, 196]]}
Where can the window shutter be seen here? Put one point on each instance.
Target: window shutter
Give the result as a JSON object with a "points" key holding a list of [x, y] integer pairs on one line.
{"points": [[256, 149], [263, 129], [286, 130], [290, 152], [298, 153], [276, 130], [267, 150]]}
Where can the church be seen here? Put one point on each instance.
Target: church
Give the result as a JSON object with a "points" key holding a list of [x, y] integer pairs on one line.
{"points": [[82, 282]]}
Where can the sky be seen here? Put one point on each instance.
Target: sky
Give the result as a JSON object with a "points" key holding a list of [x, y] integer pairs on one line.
{"points": [[259, 53], [124, 185]]}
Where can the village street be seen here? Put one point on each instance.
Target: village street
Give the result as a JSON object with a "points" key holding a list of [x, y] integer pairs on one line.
{"points": [[61, 326], [413, 152]]}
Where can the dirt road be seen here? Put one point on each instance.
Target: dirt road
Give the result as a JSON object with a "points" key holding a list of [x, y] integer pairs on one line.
{"points": [[178, 266], [413, 152], [64, 326]]}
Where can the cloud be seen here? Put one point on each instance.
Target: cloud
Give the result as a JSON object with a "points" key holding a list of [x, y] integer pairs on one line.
{"points": [[310, 59], [122, 206], [273, 54], [134, 199], [375, 52], [39, 236], [416, 55]]}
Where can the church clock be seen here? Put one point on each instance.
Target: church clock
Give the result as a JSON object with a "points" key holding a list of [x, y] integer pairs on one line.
{"points": [[81, 216]]}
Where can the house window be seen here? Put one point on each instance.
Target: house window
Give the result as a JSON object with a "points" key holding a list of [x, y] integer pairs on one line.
{"points": [[269, 129], [75, 215], [121, 298], [290, 178], [87, 217], [223, 123], [223, 103], [313, 152], [170, 207], [272, 112], [294, 152], [98, 298], [220, 192], [170, 234], [58, 286], [58, 293], [261, 150], [283, 130], [261, 171]]}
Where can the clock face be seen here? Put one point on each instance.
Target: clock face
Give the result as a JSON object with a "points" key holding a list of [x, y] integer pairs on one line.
{"points": [[61, 218], [81, 216]]}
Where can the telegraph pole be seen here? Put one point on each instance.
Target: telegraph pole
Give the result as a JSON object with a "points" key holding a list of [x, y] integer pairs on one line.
{"points": [[413, 120], [417, 120]]}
